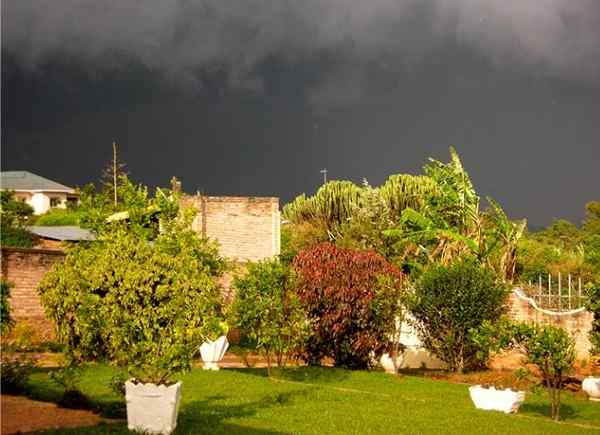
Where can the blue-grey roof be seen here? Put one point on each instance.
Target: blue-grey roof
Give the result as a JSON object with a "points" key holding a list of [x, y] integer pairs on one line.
{"points": [[23, 180], [64, 233]]}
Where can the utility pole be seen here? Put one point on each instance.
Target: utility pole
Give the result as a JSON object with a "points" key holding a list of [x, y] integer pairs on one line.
{"points": [[324, 172], [114, 171]]}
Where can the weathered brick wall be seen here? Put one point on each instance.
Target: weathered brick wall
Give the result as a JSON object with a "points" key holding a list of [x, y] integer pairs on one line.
{"points": [[24, 268], [577, 323], [247, 228]]}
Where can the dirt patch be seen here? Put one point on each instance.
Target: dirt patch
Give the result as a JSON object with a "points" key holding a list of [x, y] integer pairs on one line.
{"points": [[20, 414]]}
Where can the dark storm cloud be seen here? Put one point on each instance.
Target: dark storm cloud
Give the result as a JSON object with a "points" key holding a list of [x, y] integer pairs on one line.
{"points": [[179, 38]]}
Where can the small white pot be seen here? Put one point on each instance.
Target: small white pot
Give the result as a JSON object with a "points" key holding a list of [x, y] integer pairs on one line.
{"points": [[490, 399], [152, 408], [213, 351], [592, 387]]}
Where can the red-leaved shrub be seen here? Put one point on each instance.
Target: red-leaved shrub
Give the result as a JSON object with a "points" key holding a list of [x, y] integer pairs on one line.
{"points": [[352, 298]]}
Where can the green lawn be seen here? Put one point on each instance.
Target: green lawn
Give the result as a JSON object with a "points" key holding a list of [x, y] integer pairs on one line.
{"points": [[330, 401]]}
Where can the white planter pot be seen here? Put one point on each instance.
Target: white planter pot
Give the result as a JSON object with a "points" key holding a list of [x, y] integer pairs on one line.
{"points": [[592, 387], [152, 408], [213, 351], [491, 399]]}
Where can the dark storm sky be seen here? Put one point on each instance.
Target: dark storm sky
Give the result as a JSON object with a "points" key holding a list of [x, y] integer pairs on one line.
{"points": [[255, 97]]}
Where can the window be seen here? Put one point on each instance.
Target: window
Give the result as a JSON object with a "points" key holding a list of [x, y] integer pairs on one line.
{"points": [[55, 202]]}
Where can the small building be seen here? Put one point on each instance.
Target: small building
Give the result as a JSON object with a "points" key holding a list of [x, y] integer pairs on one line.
{"points": [[39, 192], [53, 237]]}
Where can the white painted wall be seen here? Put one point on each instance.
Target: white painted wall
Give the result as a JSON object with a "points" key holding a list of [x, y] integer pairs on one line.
{"points": [[40, 201]]}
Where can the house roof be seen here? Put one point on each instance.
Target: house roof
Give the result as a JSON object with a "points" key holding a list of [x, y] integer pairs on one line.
{"points": [[63, 233], [23, 180]]}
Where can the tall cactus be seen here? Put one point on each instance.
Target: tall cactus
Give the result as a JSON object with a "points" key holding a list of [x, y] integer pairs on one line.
{"points": [[402, 191]]}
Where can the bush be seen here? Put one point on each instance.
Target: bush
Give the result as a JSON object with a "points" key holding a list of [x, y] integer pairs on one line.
{"points": [[352, 300], [267, 312], [59, 217], [5, 320], [593, 304], [144, 305], [14, 374], [450, 301], [14, 215], [549, 347]]}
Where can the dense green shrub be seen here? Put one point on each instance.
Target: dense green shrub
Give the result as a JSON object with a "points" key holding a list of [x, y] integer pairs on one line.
{"points": [[352, 299], [14, 216], [449, 301], [59, 217], [549, 347], [5, 320], [267, 312], [593, 304], [14, 373], [145, 305]]}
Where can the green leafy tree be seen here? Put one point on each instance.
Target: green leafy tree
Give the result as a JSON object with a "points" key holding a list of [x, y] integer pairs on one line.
{"points": [[14, 216], [146, 305], [593, 304], [268, 312], [448, 302], [549, 347], [5, 319]]}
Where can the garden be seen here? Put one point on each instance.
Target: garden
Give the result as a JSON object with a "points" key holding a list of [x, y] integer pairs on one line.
{"points": [[139, 308]]}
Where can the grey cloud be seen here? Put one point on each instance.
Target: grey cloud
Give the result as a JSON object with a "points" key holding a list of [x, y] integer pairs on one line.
{"points": [[180, 38]]}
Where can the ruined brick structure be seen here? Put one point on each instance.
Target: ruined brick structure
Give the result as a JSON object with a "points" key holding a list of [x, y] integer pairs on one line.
{"points": [[247, 228], [24, 269]]}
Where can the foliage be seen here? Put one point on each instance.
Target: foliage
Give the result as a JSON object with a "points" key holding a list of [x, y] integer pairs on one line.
{"points": [[563, 247], [59, 217], [352, 298], [593, 304], [144, 305], [364, 228], [14, 373], [549, 347], [14, 216], [6, 320], [450, 224], [448, 302], [267, 312]]}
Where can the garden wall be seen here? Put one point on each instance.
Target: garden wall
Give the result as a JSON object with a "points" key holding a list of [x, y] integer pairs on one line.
{"points": [[247, 228], [24, 269], [577, 322]]}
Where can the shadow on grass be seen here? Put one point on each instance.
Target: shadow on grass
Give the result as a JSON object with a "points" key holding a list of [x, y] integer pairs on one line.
{"points": [[207, 416], [543, 409], [314, 375], [105, 405]]}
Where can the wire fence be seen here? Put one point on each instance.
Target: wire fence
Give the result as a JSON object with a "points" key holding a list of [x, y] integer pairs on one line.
{"points": [[558, 293]]}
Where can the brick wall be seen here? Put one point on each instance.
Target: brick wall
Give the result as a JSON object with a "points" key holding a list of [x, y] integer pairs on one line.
{"points": [[24, 268], [247, 228], [578, 322]]}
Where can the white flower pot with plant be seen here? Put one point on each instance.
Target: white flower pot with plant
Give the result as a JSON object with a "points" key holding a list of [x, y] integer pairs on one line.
{"points": [[152, 408], [213, 349], [591, 385], [148, 306], [491, 399]]}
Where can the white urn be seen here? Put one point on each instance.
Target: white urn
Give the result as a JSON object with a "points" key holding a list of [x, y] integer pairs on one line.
{"points": [[213, 351], [152, 408], [491, 399], [591, 386]]}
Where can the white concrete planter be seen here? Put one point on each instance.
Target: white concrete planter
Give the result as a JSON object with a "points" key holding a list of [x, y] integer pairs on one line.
{"points": [[213, 351], [592, 387], [152, 408], [490, 399]]}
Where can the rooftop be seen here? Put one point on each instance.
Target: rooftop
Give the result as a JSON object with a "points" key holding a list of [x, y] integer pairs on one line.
{"points": [[23, 180], [62, 233]]}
